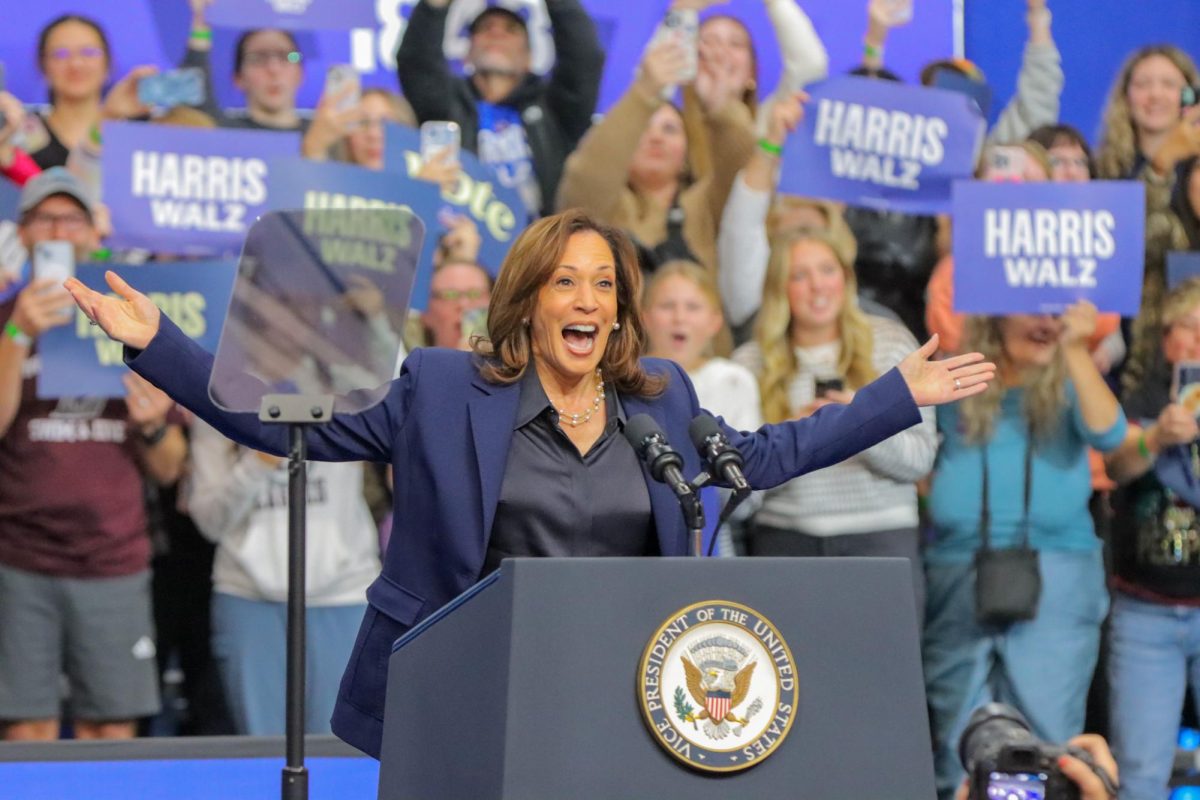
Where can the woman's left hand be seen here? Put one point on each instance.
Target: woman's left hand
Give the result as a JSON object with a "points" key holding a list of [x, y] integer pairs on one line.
{"points": [[933, 383]]}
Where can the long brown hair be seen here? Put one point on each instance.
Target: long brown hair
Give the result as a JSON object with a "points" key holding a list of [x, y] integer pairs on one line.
{"points": [[1118, 148], [507, 350]]}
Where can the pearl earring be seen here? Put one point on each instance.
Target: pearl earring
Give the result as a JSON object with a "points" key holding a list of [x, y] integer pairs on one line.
{"points": [[525, 321], [616, 326]]}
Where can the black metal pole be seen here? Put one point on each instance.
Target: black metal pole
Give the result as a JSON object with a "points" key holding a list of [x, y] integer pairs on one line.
{"points": [[295, 774]]}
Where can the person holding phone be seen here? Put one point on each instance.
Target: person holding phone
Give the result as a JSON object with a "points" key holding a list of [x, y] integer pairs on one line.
{"points": [[268, 68], [1154, 630], [632, 169], [74, 549], [521, 124], [811, 331]]}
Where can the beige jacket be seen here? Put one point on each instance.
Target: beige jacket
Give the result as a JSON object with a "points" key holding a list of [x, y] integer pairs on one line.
{"points": [[596, 174]]}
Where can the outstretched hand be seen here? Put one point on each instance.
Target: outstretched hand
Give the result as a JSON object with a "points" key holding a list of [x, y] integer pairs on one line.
{"points": [[130, 318], [933, 383]]}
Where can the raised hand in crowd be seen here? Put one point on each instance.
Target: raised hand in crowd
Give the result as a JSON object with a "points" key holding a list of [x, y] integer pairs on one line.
{"points": [[1037, 17], [442, 169], [662, 64], [40, 307], [13, 113], [715, 84], [130, 318], [461, 241], [882, 16], [1183, 141], [787, 112], [695, 5], [200, 23], [331, 121], [122, 101]]}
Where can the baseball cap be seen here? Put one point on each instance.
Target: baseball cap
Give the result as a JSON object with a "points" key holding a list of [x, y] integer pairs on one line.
{"points": [[492, 11], [51, 182]]}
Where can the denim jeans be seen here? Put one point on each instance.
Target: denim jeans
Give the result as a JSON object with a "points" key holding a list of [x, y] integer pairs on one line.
{"points": [[1042, 667], [250, 646], [1154, 654]]}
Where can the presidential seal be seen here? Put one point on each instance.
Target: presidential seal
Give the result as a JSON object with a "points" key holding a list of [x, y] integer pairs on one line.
{"points": [[717, 686]]}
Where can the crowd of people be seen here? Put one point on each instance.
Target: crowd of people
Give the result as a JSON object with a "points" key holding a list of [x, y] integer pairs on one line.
{"points": [[136, 541]]}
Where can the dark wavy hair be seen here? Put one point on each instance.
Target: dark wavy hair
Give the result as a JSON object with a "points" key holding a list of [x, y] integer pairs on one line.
{"points": [[48, 28], [507, 350], [239, 51]]}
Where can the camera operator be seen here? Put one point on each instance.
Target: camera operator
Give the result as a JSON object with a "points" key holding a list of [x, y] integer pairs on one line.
{"points": [[1003, 758]]}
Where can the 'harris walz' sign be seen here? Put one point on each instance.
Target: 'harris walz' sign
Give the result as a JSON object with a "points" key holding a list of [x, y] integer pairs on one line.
{"points": [[1038, 247], [882, 145], [191, 191]]}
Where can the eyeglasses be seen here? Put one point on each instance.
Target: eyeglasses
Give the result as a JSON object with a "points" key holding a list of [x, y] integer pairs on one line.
{"points": [[454, 295], [70, 223], [1059, 161], [261, 58], [65, 53]]}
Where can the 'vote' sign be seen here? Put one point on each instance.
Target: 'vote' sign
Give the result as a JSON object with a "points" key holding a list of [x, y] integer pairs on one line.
{"points": [[1038, 247]]}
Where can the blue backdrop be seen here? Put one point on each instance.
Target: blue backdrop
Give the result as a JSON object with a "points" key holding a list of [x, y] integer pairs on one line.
{"points": [[1094, 35]]}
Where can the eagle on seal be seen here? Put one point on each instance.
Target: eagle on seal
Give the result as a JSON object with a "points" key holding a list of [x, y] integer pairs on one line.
{"points": [[718, 689]]}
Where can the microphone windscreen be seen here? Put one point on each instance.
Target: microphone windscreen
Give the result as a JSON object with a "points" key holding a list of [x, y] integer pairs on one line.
{"points": [[638, 428], [702, 427]]}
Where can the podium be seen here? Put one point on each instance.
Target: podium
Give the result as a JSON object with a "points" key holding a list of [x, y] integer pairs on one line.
{"points": [[530, 684]]}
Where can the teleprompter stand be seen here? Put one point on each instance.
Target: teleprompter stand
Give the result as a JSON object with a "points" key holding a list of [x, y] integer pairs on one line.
{"points": [[298, 412]]}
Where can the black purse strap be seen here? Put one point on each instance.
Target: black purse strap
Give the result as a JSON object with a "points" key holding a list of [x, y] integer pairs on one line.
{"points": [[985, 511]]}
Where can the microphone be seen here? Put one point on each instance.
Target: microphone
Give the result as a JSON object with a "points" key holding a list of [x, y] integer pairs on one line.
{"points": [[664, 463], [714, 447]]}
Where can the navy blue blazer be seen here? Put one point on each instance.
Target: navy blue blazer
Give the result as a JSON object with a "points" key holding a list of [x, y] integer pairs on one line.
{"points": [[447, 431]]}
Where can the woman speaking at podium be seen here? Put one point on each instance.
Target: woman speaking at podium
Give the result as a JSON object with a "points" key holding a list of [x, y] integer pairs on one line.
{"points": [[517, 449]]}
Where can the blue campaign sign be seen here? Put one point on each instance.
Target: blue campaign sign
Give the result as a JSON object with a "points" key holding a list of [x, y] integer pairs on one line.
{"points": [[300, 184], [1035, 248], [78, 360], [9, 198], [294, 15], [496, 210], [1181, 265], [190, 191], [882, 145]]}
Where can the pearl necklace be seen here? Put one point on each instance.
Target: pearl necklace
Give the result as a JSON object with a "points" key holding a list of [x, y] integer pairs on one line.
{"points": [[575, 420]]}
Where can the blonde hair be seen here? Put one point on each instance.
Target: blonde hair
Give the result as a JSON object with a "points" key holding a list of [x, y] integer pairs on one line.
{"points": [[1118, 148], [835, 222], [773, 330], [397, 104], [1045, 395], [1182, 299], [721, 343]]}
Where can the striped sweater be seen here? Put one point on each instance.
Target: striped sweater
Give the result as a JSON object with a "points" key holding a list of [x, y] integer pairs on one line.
{"points": [[873, 491]]}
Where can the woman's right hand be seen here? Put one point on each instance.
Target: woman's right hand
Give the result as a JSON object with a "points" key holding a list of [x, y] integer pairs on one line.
{"points": [[329, 124], [130, 318], [663, 63], [1175, 425], [786, 115]]}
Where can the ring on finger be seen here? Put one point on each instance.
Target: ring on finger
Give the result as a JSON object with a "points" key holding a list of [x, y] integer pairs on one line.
{"points": [[957, 384]]}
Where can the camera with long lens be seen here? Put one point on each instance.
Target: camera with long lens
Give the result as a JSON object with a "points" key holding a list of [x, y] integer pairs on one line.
{"points": [[1005, 761]]}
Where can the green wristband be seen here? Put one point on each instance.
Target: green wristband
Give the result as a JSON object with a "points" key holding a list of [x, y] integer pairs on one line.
{"points": [[201, 34], [770, 147], [16, 334], [1143, 448]]}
